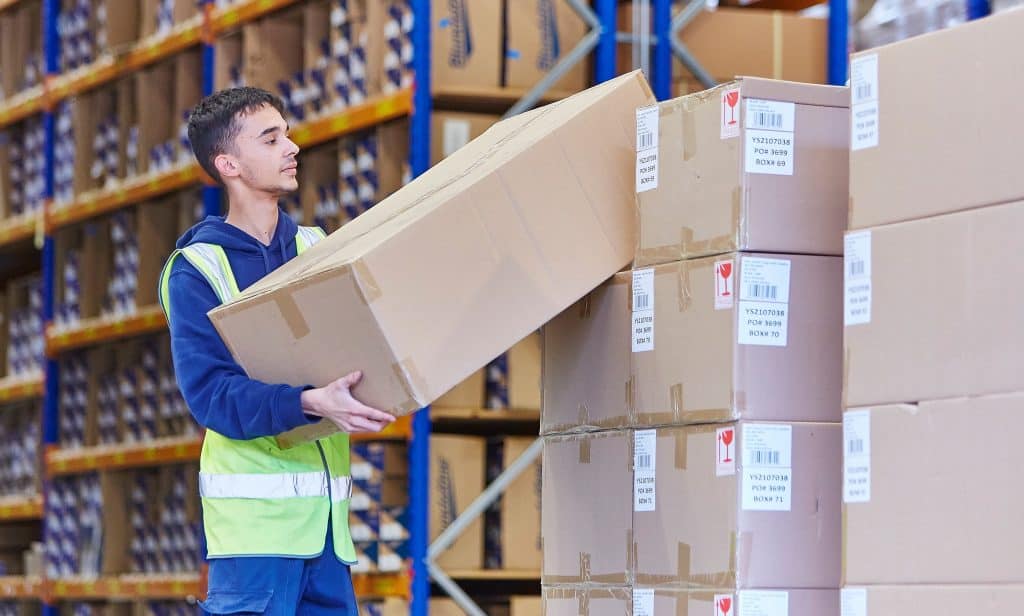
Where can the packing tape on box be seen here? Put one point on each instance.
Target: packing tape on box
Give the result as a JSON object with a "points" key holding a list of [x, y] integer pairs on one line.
{"points": [[776, 44], [583, 595], [689, 133], [365, 282], [292, 314], [408, 376]]}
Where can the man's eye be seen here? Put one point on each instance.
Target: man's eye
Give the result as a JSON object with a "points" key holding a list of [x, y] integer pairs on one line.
{"points": [[272, 141]]}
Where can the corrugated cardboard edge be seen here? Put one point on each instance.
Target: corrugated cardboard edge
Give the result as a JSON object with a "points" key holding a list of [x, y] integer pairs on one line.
{"points": [[584, 595], [793, 92]]}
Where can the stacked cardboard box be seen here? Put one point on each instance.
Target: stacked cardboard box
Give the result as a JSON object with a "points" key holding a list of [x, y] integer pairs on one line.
{"points": [[21, 48], [692, 405], [932, 339], [21, 328], [20, 459], [512, 538], [377, 509], [22, 166]]}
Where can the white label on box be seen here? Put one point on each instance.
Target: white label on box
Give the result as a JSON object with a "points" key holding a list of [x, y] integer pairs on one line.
{"points": [[763, 603], [767, 451], [730, 113], [771, 115], [764, 302], [725, 451], [645, 452], [643, 602], [864, 102], [768, 152], [643, 310], [765, 279], [853, 602], [725, 286], [456, 135], [646, 148], [857, 456], [725, 605], [857, 278]]}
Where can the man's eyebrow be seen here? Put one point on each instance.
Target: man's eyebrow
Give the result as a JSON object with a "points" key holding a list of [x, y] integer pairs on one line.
{"points": [[272, 129]]}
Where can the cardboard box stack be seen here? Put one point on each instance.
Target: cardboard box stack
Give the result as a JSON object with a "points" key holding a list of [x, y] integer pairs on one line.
{"points": [[692, 405], [932, 343], [21, 48], [22, 166], [21, 329], [377, 510], [20, 458], [512, 539]]}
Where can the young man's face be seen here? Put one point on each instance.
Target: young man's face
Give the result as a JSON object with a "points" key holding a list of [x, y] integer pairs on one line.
{"points": [[265, 154]]}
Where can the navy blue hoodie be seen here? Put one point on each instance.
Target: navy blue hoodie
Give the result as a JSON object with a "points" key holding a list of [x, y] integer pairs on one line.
{"points": [[217, 390]]}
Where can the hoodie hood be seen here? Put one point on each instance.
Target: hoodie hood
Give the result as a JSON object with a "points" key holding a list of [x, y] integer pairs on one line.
{"points": [[250, 259]]}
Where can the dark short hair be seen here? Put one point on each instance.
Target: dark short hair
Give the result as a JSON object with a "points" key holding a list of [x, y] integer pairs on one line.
{"points": [[213, 124]]}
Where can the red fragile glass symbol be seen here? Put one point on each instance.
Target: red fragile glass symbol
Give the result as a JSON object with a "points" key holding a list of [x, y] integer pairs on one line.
{"points": [[731, 98], [726, 441], [725, 603], [725, 270]]}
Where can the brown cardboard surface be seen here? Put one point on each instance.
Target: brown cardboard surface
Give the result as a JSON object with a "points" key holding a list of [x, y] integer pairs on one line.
{"points": [[521, 544], [227, 55], [701, 533], [524, 361], [155, 225], [466, 39], [272, 49], [526, 606], [732, 42], [451, 130], [917, 171], [535, 40], [586, 518], [700, 371], [705, 203], [586, 365], [935, 467], [456, 479], [587, 601], [469, 394], [392, 156], [486, 213], [797, 602], [943, 319], [157, 122], [940, 600]]}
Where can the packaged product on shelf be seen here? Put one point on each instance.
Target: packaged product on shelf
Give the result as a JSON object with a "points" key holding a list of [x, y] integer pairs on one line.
{"points": [[19, 460], [466, 43], [24, 336], [451, 130], [538, 35], [74, 399]]}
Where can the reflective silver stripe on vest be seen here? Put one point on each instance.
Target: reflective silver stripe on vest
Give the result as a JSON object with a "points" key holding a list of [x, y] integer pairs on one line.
{"points": [[210, 266], [341, 488], [310, 235]]}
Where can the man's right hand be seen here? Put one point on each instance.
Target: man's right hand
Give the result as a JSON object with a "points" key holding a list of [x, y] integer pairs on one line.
{"points": [[336, 403]]}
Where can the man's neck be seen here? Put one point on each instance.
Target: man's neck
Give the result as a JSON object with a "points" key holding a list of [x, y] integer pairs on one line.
{"points": [[256, 216]]}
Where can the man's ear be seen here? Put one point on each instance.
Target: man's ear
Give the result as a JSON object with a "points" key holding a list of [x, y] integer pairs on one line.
{"points": [[226, 166]]}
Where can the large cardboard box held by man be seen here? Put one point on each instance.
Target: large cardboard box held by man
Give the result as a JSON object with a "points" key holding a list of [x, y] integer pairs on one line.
{"points": [[754, 164], [736, 336], [740, 506], [933, 308], [930, 492], [918, 150], [453, 269]]}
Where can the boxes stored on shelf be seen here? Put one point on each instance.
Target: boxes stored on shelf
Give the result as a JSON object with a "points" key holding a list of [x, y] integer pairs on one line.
{"points": [[526, 606], [751, 165], [732, 42], [22, 168], [20, 474], [21, 328], [451, 130], [158, 118], [456, 479], [926, 600], [916, 472], [587, 518], [517, 257], [915, 171], [930, 308], [272, 52], [21, 48], [466, 43], [469, 394], [743, 335], [518, 535], [524, 368], [740, 506], [537, 36], [159, 17]]}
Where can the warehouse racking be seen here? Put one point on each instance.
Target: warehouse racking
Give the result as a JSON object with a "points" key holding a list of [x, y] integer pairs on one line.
{"points": [[25, 238]]}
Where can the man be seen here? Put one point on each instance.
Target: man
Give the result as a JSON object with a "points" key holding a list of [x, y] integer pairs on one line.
{"points": [[276, 520]]}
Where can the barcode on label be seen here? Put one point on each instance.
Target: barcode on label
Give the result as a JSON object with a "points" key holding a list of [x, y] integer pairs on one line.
{"points": [[641, 301], [864, 91], [644, 461], [765, 457], [762, 291], [857, 268], [644, 140], [855, 446], [763, 119]]}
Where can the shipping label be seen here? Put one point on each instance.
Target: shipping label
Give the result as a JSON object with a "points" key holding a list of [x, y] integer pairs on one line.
{"points": [[763, 603], [643, 310], [857, 456], [864, 102], [857, 278], [646, 148], [764, 302], [645, 444], [767, 451], [770, 137]]}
